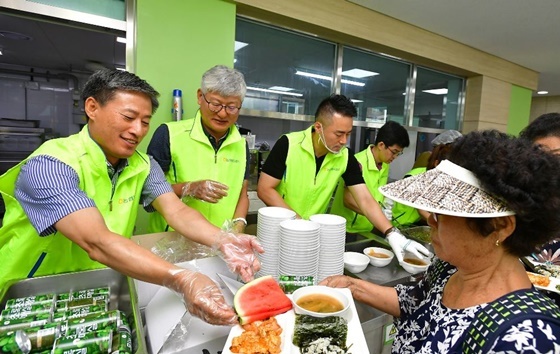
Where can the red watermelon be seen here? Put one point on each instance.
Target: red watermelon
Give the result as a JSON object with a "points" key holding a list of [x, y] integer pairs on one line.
{"points": [[260, 299]]}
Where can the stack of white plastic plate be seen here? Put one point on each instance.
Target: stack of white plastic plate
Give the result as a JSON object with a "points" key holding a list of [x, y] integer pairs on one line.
{"points": [[333, 239], [299, 248], [268, 234]]}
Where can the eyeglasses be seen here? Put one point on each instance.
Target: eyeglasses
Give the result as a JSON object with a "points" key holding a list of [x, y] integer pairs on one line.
{"points": [[217, 107], [550, 151], [395, 152]]}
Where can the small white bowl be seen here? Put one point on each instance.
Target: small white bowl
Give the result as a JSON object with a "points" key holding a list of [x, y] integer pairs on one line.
{"points": [[322, 290], [355, 262], [376, 260], [414, 268]]}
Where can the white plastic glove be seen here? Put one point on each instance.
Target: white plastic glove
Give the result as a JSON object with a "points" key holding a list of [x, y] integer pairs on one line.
{"points": [[240, 253], [205, 190], [400, 244], [201, 296]]}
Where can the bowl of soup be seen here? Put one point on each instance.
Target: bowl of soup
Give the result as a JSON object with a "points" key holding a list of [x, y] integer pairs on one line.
{"points": [[320, 301], [413, 264], [378, 256]]}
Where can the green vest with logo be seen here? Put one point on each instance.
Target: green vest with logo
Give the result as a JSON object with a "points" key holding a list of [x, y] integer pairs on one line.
{"points": [[193, 158], [25, 254], [403, 214], [304, 191], [374, 178]]}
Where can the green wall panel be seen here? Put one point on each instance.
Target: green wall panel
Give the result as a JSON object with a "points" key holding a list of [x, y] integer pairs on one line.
{"points": [[176, 42], [519, 109]]}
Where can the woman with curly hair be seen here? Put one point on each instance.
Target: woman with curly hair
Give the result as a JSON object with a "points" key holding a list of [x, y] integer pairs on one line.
{"points": [[494, 200]]}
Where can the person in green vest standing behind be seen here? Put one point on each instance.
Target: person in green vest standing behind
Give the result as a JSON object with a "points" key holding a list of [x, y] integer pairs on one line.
{"points": [[205, 158], [404, 215], [390, 141], [303, 168], [72, 205]]}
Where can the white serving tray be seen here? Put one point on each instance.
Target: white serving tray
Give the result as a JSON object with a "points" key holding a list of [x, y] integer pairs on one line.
{"points": [[286, 320]]}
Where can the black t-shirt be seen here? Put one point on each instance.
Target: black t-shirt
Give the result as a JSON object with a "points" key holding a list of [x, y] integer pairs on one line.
{"points": [[160, 149], [275, 164]]}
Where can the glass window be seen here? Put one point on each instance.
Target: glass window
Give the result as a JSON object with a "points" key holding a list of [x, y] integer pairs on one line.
{"points": [[376, 84], [437, 100], [284, 71]]}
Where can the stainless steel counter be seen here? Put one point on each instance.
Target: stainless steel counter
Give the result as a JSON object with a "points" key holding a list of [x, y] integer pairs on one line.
{"points": [[376, 325]]}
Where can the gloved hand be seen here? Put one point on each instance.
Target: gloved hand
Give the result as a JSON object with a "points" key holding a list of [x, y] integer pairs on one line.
{"points": [[239, 253], [400, 244], [201, 296], [205, 190]]}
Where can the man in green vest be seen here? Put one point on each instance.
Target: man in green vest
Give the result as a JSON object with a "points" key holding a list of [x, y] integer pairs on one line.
{"points": [[390, 141], [72, 205], [205, 159], [303, 168]]}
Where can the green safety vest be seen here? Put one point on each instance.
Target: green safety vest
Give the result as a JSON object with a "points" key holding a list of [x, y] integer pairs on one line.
{"points": [[374, 178], [193, 158], [404, 214], [304, 191], [25, 254]]}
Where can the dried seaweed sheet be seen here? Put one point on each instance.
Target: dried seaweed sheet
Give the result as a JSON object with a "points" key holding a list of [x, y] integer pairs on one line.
{"points": [[309, 328]]}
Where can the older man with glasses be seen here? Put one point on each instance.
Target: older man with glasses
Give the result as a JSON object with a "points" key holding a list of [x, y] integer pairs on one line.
{"points": [[205, 158]]}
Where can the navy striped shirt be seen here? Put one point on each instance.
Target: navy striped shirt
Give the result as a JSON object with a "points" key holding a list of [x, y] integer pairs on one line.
{"points": [[48, 190]]}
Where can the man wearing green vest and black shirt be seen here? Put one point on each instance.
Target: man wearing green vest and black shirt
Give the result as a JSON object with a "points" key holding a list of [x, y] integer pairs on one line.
{"points": [[390, 141], [303, 168], [72, 205], [205, 158]]}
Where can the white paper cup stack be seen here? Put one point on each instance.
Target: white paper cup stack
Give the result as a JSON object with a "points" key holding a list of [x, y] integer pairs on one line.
{"points": [[268, 234], [332, 240], [299, 248]]}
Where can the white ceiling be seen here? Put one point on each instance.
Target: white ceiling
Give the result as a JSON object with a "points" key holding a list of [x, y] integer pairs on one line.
{"points": [[525, 32]]}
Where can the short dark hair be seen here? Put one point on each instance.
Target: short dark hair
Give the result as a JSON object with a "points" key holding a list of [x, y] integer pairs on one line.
{"points": [[103, 84], [335, 104], [518, 173], [392, 133], [545, 125]]}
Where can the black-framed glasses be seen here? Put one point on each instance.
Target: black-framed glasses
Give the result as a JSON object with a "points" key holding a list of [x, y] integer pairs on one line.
{"points": [[395, 152], [217, 107]]}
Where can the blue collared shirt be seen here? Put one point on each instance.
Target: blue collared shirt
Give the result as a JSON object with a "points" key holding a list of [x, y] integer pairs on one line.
{"points": [[48, 190]]}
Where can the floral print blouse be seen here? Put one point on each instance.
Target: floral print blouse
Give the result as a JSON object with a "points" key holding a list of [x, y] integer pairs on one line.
{"points": [[427, 326]]}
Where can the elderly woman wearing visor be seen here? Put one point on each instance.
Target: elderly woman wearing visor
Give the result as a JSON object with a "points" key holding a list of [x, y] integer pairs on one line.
{"points": [[494, 200]]}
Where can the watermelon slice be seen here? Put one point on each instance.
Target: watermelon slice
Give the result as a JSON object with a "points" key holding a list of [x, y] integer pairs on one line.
{"points": [[260, 299]]}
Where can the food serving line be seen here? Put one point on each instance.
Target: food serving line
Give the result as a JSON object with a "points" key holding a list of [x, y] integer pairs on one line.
{"points": [[155, 312]]}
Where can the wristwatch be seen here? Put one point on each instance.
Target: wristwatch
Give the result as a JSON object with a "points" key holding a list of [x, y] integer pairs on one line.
{"points": [[240, 219]]}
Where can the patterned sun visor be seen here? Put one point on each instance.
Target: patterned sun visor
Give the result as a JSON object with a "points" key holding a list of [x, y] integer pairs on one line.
{"points": [[448, 189]]}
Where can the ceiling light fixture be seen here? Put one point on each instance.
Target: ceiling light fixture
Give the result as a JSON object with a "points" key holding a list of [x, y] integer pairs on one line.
{"points": [[274, 91], [239, 45], [1, 51], [121, 40], [542, 92], [281, 88], [359, 73], [440, 91], [356, 101], [324, 77]]}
